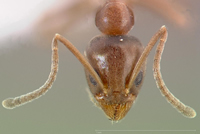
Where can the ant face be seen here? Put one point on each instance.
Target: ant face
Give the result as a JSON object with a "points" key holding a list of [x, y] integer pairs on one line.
{"points": [[114, 59], [114, 64]]}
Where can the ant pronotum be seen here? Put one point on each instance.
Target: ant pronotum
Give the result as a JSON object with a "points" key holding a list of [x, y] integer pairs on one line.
{"points": [[114, 63]]}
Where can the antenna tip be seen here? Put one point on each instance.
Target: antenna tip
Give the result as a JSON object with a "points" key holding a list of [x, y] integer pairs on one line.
{"points": [[8, 103], [189, 112]]}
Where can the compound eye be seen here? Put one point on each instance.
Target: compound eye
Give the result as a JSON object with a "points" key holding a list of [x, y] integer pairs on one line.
{"points": [[92, 80], [138, 79]]}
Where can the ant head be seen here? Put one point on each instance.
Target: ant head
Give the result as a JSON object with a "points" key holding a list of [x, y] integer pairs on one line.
{"points": [[114, 18], [114, 59]]}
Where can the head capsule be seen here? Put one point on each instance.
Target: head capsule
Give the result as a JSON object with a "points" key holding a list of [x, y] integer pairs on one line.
{"points": [[114, 59]]}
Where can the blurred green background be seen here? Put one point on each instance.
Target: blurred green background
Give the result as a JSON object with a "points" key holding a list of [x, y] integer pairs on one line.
{"points": [[66, 108]]}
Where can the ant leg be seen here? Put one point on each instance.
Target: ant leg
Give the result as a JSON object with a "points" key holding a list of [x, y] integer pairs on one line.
{"points": [[182, 108], [11, 103]]}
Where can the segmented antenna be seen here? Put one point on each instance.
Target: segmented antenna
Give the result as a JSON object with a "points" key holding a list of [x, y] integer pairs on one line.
{"points": [[182, 108], [11, 103]]}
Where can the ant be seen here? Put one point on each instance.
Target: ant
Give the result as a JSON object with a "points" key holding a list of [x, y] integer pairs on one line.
{"points": [[114, 64]]}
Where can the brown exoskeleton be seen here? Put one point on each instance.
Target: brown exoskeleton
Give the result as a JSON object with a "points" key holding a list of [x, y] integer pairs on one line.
{"points": [[114, 64]]}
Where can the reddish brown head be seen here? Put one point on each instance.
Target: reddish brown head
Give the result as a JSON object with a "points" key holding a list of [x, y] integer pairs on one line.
{"points": [[114, 58]]}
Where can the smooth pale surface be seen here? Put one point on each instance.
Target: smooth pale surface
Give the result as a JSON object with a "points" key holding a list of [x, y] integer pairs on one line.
{"points": [[66, 108]]}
